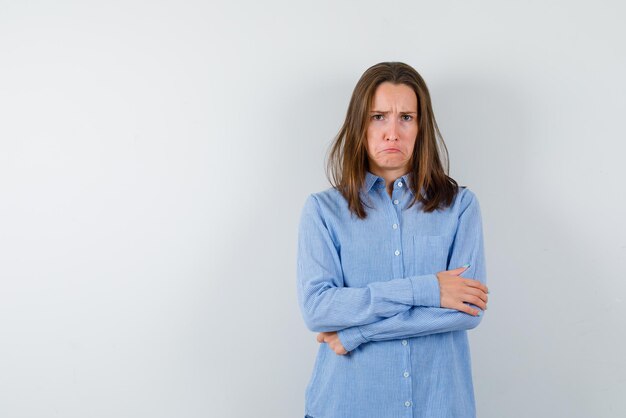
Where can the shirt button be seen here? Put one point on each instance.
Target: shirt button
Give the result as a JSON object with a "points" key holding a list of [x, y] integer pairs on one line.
{"points": [[406, 374], [397, 252], [399, 184], [395, 226], [407, 403], [395, 202], [404, 342]]}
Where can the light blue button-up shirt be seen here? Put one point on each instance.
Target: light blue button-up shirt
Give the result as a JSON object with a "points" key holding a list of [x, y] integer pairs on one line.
{"points": [[374, 281]]}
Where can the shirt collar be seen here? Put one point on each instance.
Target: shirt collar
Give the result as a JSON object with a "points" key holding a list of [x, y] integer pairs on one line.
{"points": [[373, 181]]}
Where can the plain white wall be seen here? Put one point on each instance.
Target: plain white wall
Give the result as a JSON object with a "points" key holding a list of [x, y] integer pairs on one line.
{"points": [[155, 155]]}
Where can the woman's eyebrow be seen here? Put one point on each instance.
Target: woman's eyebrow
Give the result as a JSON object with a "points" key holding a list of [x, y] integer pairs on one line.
{"points": [[384, 112]]}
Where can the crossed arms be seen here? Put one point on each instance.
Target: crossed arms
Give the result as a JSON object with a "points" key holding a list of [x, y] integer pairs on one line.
{"points": [[387, 309]]}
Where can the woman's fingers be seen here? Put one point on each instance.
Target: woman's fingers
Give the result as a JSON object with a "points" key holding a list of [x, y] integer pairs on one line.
{"points": [[476, 297], [477, 292], [469, 282], [458, 292], [475, 300], [467, 309], [456, 271], [333, 342], [338, 349], [476, 284]]}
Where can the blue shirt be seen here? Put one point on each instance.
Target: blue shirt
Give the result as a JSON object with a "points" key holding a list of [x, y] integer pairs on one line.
{"points": [[374, 281]]}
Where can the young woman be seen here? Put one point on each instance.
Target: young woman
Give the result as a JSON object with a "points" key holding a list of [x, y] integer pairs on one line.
{"points": [[391, 268]]}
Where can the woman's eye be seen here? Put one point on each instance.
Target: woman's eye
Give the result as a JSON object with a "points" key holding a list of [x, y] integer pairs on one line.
{"points": [[407, 117], [377, 117]]}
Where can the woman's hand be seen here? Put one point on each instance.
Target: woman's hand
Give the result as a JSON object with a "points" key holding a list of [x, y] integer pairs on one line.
{"points": [[332, 339], [455, 290]]}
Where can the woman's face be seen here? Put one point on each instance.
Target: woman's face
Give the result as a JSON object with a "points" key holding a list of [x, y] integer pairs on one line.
{"points": [[392, 130]]}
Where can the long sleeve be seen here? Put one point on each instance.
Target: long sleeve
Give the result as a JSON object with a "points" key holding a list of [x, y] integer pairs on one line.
{"points": [[467, 247], [326, 304]]}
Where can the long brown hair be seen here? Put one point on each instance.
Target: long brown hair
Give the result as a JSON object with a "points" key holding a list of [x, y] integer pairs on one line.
{"points": [[347, 159]]}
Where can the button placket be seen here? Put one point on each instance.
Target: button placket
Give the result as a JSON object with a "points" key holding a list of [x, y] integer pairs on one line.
{"points": [[396, 245], [409, 392]]}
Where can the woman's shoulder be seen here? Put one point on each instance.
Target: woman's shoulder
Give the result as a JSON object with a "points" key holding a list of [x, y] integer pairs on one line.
{"points": [[464, 198], [330, 197], [327, 201], [465, 193]]}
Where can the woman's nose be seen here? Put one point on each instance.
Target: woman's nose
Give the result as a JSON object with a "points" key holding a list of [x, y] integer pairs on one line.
{"points": [[392, 131]]}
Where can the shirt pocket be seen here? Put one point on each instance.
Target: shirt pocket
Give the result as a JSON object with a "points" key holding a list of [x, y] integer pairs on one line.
{"points": [[431, 253]]}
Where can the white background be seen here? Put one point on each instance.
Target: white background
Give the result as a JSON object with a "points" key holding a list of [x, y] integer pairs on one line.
{"points": [[155, 156]]}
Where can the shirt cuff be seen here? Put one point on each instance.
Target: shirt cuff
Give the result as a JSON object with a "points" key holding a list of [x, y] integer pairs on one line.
{"points": [[351, 338], [426, 291]]}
